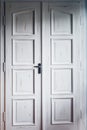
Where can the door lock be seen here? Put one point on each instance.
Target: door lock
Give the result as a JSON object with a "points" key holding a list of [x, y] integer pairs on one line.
{"points": [[39, 68]]}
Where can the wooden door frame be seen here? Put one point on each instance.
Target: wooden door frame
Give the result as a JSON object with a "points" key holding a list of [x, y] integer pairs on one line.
{"points": [[82, 62]]}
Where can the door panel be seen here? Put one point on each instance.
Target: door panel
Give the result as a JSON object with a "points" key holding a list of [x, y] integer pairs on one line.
{"points": [[20, 78], [61, 51], [62, 111], [23, 52], [24, 112], [60, 21], [62, 75], [61, 63], [23, 22]]}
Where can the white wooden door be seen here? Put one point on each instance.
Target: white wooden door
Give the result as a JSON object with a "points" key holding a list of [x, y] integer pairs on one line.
{"points": [[56, 104], [60, 58], [23, 52]]}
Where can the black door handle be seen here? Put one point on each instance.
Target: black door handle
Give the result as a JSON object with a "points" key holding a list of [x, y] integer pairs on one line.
{"points": [[39, 68]]}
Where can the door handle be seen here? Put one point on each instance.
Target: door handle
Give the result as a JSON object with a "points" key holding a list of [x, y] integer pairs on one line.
{"points": [[39, 68]]}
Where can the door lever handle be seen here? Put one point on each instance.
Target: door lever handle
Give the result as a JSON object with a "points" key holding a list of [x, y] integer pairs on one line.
{"points": [[39, 68]]}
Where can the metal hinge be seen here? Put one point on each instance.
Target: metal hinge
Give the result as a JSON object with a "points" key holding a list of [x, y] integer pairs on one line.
{"points": [[81, 21], [48, 8], [80, 114], [4, 20], [4, 66], [4, 116]]}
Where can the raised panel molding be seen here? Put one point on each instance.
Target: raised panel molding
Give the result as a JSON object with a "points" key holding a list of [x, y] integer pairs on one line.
{"points": [[61, 22], [62, 111], [62, 51], [24, 112], [62, 81], [23, 82], [23, 52], [23, 23]]}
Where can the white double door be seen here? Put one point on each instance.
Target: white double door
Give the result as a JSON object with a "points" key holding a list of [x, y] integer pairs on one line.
{"points": [[47, 100]]}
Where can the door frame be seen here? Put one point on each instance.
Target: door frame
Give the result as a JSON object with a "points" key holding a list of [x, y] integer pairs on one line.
{"points": [[82, 62]]}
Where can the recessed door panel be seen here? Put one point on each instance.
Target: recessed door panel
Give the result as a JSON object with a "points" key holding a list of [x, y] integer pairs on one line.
{"points": [[59, 78], [23, 82], [23, 22], [23, 52], [62, 51], [62, 111], [24, 112], [61, 22]]}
